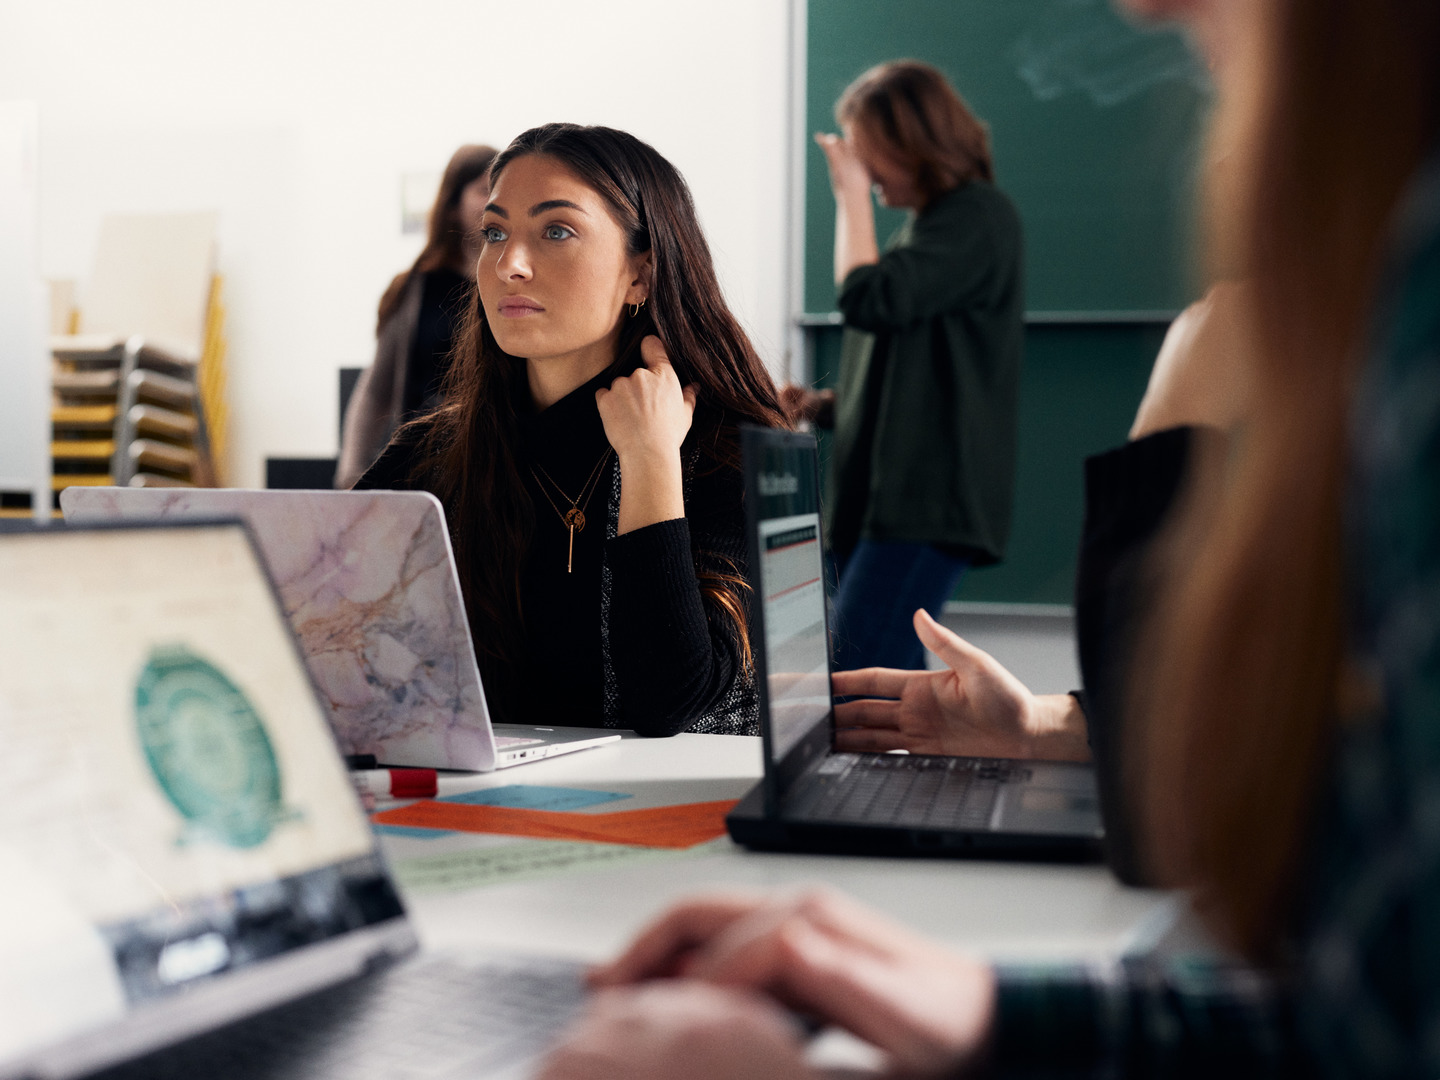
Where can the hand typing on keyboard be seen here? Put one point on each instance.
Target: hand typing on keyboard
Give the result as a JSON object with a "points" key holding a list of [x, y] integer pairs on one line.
{"points": [[669, 1029], [699, 994], [973, 708]]}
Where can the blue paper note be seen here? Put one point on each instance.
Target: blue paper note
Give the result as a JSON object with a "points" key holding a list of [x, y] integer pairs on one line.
{"points": [[535, 797], [413, 833]]}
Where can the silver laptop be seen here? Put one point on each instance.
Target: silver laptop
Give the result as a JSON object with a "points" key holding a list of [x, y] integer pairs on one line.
{"points": [[190, 887], [368, 581], [813, 798]]}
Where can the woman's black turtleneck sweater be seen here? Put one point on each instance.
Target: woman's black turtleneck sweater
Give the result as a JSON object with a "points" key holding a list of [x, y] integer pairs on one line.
{"points": [[674, 661]]}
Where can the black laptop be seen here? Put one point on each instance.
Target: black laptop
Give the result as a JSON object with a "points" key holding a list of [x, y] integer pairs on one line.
{"points": [[814, 798]]}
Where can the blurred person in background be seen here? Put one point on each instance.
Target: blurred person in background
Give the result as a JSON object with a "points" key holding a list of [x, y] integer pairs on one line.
{"points": [[922, 473], [419, 314]]}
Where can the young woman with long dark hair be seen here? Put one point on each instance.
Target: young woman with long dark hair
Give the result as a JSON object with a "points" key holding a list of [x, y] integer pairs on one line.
{"points": [[1287, 704], [586, 450]]}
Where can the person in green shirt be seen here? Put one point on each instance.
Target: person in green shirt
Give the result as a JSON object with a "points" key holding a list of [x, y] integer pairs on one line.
{"points": [[922, 473]]}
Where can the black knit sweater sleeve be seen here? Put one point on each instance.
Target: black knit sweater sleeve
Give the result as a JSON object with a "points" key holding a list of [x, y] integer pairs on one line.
{"points": [[1129, 492], [395, 469], [675, 651]]}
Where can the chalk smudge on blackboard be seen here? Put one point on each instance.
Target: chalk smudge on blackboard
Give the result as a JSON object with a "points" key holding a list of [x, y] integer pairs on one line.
{"points": [[1081, 46]]}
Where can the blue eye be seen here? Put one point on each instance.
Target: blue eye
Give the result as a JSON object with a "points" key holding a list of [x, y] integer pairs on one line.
{"points": [[557, 232], [492, 234]]}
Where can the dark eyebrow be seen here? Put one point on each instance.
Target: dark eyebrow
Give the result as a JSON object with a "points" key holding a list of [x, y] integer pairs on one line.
{"points": [[555, 204], [491, 208]]}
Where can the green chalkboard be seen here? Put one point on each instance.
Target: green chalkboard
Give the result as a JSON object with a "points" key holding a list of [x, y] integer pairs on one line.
{"points": [[1079, 390], [1094, 125]]}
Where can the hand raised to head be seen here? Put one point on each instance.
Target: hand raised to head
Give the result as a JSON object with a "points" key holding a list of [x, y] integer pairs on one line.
{"points": [[847, 174], [647, 412], [646, 416]]}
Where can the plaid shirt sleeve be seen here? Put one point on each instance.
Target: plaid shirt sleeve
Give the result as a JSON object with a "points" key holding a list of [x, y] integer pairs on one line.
{"points": [[1368, 956], [1142, 1017], [1362, 997]]}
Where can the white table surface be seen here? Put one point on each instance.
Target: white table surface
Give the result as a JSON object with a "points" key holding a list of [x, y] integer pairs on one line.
{"points": [[1003, 910]]}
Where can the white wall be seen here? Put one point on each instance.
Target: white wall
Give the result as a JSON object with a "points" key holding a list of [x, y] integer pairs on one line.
{"points": [[1035, 642], [24, 365], [296, 118]]}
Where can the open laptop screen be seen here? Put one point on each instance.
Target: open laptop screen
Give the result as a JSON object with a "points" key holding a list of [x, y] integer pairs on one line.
{"points": [[368, 582], [792, 574], [172, 805], [784, 510]]}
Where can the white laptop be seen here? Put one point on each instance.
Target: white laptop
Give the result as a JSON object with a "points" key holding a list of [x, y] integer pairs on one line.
{"points": [[368, 581], [191, 888]]}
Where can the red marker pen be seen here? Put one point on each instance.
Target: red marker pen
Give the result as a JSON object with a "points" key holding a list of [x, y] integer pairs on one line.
{"points": [[396, 783]]}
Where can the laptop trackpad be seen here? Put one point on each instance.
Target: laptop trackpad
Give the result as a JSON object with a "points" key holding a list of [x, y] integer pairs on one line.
{"points": [[1056, 799]]}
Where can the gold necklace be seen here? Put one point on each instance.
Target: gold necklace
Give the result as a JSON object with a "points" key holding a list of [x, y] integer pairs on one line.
{"points": [[574, 518]]}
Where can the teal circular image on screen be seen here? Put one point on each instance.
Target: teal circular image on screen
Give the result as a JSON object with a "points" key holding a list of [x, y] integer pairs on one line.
{"points": [[208, 749]]}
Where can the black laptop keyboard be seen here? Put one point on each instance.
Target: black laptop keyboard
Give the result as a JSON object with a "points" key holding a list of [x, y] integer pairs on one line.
{"points": [[428, 1019], [903, 789]]}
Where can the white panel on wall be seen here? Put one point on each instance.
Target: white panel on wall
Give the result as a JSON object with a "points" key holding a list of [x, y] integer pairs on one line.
{"points": [[24, 362], [296, 121]]}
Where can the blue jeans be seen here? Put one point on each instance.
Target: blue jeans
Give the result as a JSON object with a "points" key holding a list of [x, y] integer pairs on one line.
{"points": [[881, 585]]}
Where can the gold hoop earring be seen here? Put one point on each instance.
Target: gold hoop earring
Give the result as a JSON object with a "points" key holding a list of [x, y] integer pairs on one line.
{"points": [[635, 308]]}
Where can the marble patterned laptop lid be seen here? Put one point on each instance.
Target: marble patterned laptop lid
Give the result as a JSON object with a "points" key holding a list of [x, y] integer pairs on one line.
{"points": [[367, 580]]}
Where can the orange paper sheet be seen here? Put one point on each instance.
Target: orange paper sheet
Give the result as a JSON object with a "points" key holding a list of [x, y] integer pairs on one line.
{"points": [[679, 826]]}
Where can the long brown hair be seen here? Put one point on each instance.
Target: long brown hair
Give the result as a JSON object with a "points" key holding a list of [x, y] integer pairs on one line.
{"points": [[1237, 702], [445, 237], [470, 452], [912, 110]]}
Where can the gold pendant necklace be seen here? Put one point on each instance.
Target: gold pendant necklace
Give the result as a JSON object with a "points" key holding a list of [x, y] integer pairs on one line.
{"points": [[574, 518]]}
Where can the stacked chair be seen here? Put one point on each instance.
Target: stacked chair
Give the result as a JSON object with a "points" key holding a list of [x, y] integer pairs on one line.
{"points": [[139, 387]]}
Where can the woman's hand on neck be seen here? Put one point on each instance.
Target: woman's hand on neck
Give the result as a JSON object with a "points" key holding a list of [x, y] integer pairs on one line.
{"points": [[554, 377], [647, 415]]}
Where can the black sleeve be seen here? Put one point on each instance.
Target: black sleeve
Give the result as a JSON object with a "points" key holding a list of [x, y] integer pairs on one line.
{"points": [[954, 259], [675, 651], [1129, 493], [395, 469]]}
